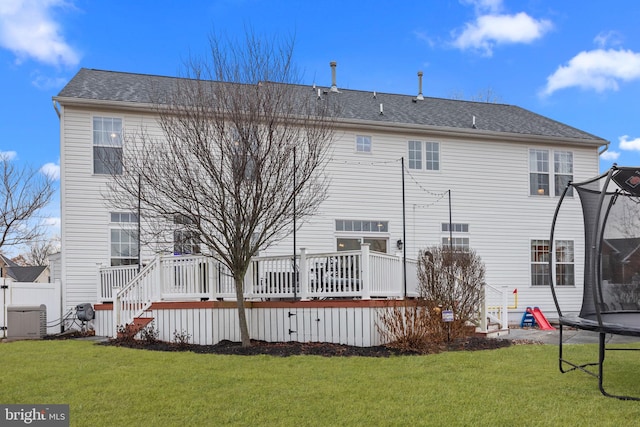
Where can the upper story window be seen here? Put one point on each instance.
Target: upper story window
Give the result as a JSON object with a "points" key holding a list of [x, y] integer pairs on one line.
{"points": [[540, 181], [563, 169], [430, 160], [415, 154], [363, 144], [432, 152], [107, 145]]}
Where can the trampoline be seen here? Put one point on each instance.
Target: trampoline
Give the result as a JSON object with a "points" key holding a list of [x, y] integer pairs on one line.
{"points": [[611, 294]]}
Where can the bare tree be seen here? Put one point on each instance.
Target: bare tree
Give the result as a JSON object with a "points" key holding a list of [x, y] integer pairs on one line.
{"points": [[23, 193], [39, 251], [487, 95], [241, 145]]}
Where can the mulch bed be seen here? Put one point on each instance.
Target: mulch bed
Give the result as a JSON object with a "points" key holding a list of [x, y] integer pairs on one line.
{"points": [[284, 349]]}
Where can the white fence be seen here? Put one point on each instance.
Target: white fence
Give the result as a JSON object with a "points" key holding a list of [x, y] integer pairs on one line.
{"points": [[32, 294]]}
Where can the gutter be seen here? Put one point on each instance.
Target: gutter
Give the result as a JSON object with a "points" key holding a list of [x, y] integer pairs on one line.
{"points": [[55, 107], [606, 147]]}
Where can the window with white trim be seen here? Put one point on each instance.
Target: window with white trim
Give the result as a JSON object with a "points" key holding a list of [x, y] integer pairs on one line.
{"points": [[363, 144], [455, 237], [123, 238], [540, 179], [107, 145], [456, 243], [415, 154], [186, 241], [432, 152], [563, 170], [563, 263], [539, 172], [430, 160], [352, 233]]}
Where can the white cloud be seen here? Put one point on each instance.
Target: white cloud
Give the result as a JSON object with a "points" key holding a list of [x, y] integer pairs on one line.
{"points": [[608, 38], [610, 155], [52, 222], [47, 83], [8, 155], [28, 29], [629, 144], [491, 6], [599, 70], [51, 170], [490, 30]]}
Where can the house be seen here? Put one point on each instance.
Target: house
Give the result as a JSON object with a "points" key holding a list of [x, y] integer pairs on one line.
{"points": [[407, 172], [9, 270]]}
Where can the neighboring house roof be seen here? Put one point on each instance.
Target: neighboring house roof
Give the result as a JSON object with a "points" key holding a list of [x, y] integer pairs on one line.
{"points": [[356, 105], [624, 247], [26, 274]]}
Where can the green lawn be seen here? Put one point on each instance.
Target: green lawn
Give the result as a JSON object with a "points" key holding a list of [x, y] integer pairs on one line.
{"points": [[514, 386]]}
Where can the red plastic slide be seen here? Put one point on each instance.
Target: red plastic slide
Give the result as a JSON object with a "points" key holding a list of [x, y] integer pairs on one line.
{"points": [[541, 320]]}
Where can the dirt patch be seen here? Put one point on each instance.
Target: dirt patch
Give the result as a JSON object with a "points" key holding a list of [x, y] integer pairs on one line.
{"points": [[284, 349]]}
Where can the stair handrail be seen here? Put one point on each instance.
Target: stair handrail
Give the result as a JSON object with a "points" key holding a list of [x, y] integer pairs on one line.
{"points": [[136, 296]]}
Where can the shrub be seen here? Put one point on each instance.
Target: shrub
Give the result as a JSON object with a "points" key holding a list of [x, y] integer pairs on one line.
{"points": [[448, 280], [149, 334], [181, 339]]}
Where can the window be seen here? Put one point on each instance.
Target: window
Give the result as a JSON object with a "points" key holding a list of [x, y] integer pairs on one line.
{"points": [[431, 158], [563, 263], [415, 155], [432, 151], [563, 169], [363, 144], [354, 244], [539, 262], [107, 145], [539, 172], [359, 225], [124, 239], [456, 228], [185, 240], [457, 243]]}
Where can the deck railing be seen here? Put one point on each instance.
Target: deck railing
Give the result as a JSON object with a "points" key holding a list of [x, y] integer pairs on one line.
{"points": [[137, 295], [495, 307], [356, 274]]}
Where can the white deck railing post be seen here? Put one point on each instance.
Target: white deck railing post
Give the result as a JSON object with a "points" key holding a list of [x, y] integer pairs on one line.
{"points": [[504, 315], [212, 275], [116, 311], [364, 274], [303, 275], [483, 310]]}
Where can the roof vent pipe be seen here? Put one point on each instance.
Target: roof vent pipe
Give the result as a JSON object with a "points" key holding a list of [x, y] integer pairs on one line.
{"points": [[420, 97], [334, 87]]}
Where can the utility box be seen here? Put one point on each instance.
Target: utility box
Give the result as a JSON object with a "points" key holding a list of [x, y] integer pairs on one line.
{"points": [[26, 322]]}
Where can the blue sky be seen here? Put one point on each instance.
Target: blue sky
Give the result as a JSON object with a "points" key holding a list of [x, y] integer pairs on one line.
{"points": [[574, 61]]}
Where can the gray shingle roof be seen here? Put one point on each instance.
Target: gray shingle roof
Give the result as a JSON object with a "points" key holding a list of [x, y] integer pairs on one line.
{"points": [[89, 84]]}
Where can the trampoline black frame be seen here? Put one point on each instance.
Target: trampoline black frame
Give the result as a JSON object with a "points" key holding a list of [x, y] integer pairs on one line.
{"points": [[601, 323]]}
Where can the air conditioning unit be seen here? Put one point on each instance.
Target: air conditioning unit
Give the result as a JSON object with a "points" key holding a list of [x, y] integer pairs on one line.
{"points": [[26, 322]]}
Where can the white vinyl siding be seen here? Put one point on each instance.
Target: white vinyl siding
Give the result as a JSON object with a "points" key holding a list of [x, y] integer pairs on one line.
{"points": [[487, 183]]}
